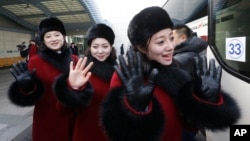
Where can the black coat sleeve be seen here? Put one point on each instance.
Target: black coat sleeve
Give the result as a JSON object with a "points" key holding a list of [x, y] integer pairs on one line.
{"points": [[17, 97], [204, 114], [70, 97], [121, 124]]}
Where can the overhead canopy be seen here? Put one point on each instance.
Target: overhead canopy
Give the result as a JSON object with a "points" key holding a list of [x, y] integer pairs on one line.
{"points": [[183, 11], [77, 15]]}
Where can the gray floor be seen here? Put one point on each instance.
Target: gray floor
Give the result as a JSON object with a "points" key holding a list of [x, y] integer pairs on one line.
{"points": [[15, 122]]}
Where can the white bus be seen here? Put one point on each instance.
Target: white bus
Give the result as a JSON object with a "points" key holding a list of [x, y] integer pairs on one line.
{"points": [[225, 24]]}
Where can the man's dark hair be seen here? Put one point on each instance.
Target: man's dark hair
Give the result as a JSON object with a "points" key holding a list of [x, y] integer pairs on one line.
{"points": [[32, 40], [183, 29]]}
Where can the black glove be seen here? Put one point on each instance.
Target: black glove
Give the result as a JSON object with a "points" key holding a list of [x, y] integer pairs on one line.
{"points": [[23, 76], [138, 94], [207, 80]]}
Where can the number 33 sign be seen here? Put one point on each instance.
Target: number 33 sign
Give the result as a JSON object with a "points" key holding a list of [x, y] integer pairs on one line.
{"points": [[236, 49]]}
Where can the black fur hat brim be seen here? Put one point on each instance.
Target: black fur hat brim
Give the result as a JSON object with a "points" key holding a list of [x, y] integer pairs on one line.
{"points": [[146, 23], [100, 31], [51, 24]]}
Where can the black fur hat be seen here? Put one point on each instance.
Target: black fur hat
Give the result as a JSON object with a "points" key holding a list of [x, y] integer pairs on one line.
{"points": [[50, 24], [146, 23], [100, 31]]}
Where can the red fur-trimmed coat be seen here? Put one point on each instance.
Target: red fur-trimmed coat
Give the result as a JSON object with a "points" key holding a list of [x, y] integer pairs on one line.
{"points": [[51, 122], [87, 124], [173, 102]]}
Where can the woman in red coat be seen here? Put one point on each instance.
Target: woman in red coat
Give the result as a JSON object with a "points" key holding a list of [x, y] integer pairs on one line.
{"points": [[35, 83], [33, 50], [100, 39], [151, 99]]}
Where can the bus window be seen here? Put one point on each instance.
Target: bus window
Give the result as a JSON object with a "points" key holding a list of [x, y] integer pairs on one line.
{"points": [[232, 35]]}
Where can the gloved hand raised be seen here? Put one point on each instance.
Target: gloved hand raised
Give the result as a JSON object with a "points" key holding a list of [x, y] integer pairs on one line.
{"points": [[138, 94], [23, 76], [207, 80]]}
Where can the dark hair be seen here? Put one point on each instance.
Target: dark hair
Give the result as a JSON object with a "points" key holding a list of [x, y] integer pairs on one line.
{"points": [[32, 40], [183, 29], [143, 26]]}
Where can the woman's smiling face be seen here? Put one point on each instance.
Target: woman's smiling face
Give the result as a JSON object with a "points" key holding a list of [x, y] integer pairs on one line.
{"points": [[54, 40], [100, 49], [161, 47]]}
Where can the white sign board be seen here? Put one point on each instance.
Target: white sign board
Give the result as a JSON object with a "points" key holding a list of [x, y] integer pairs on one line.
{"points": [[236, 49]]}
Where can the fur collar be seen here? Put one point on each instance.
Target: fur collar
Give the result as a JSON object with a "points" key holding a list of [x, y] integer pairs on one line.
{"points": [[172, 79], [60, 61], [104, 70]]}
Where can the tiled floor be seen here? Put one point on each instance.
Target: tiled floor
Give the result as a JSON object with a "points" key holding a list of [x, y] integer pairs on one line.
{"points": [[15, 122]]}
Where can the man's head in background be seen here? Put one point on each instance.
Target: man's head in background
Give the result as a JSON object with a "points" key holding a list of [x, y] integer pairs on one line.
{"points": [[181, 33]]}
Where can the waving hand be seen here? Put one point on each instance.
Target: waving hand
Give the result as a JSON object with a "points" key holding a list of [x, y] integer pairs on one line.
{"points": [[79, 75], [138, 94], [23, 76], [207, 80]]}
